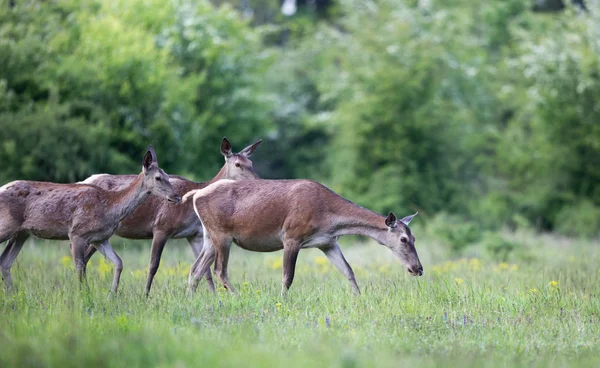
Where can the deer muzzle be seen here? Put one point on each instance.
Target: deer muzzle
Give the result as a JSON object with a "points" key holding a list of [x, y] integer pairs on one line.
{"points": [[415, 270]]}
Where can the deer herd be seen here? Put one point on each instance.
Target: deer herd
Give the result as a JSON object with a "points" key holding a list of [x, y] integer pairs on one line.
{"points": [[236, 206]]}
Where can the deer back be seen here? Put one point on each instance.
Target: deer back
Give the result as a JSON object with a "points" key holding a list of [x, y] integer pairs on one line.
{"points": [[265, 207], [50, 210]]}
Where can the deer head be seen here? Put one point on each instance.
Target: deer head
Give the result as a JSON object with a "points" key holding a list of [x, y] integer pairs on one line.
{"points": [[238, 165], [155, 180], [402, 243]]}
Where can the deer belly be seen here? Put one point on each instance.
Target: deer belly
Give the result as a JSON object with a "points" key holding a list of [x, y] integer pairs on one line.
{"points": [[134, 233], [53, 234], [46, 227], [264, 244], [135, 228]]}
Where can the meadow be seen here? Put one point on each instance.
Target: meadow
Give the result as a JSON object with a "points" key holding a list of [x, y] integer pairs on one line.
{"points": [[540, 307]]}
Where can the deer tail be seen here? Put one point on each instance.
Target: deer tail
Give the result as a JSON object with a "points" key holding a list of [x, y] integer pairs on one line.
{"points": [[188, 195]]}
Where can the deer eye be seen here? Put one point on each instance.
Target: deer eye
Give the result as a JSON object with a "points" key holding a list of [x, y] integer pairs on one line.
{"points": [[404, 239], [237, 164], [158, 178]]}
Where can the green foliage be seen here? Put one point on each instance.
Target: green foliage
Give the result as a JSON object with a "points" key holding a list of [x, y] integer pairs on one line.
{"points": [[579, 220], [454, 231], [396, 126], [498, 247], [44, 142], [484, 110], [177, 74]]}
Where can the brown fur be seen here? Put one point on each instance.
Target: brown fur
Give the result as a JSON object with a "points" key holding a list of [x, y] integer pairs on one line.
{"points": [[160, 221], [270, 215], [84, 214]]}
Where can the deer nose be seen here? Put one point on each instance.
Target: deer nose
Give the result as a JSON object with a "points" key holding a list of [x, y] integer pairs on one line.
{"points": [[416, 271], [175, 198]]}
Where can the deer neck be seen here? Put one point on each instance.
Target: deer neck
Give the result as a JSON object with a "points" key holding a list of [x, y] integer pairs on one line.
{"points": [[127, 200], [222, 174], [356, 220]]}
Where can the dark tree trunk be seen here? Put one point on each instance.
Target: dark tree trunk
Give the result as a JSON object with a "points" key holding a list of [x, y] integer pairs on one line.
{"points": [[547, 6]]}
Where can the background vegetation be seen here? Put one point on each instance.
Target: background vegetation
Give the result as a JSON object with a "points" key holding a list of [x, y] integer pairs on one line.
{"points": [[482, 115], [488, 111]]}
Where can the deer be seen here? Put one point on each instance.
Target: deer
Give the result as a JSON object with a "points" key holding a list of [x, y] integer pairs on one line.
{"points": [[81, 213], [270, 215], [161, 221]]}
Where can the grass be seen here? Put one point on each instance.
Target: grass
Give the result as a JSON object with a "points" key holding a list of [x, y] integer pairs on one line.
{"points": [[540, 309]]}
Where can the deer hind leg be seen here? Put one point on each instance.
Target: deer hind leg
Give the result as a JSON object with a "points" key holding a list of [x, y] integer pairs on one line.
{"points": [[202, 264], [335, 256], [222, 259], [107, 251], [78, 246], [89, 252], [13, 247], [158, 245], [291, 248], [197, 245]]}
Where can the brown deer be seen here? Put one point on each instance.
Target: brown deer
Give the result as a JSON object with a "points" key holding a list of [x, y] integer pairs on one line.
{"points": [[84, 214], [270, 215], [162, 221]]}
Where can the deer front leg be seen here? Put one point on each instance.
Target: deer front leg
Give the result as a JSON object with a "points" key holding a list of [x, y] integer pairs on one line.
{"points": [[10, 253], [291, 248], [197, 244], [106, 249], [335, 256], [158, 245]]}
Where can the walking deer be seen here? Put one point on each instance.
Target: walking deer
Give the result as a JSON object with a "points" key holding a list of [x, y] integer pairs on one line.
{"points": [[84, 214], [162, 221], [270, 215]]}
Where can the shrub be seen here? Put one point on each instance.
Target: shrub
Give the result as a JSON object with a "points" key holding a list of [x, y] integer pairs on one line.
{"points": [[455, 231], [497, 247], [581, 219]]}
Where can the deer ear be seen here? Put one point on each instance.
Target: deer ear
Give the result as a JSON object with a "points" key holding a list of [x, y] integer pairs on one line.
{"points": [[225, 148], [390, 221], [149, 158], [406, 220], [248, 151]]}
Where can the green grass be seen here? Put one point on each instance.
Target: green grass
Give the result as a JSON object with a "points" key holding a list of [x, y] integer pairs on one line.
{"points": [[541, 309]]}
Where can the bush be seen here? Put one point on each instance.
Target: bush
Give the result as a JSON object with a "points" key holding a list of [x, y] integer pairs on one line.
{"points": [[454, 231], [497, 247], [581, 219]]}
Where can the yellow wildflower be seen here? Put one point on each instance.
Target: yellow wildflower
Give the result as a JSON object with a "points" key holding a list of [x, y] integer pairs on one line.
{"points": [[385, 269], [278, 305], [459, 281], [276, 264], [533, 290], [475, 264], [138, 274], [553, 284], [503, 266], [321, 260], [66, 261], [104, 267]]}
